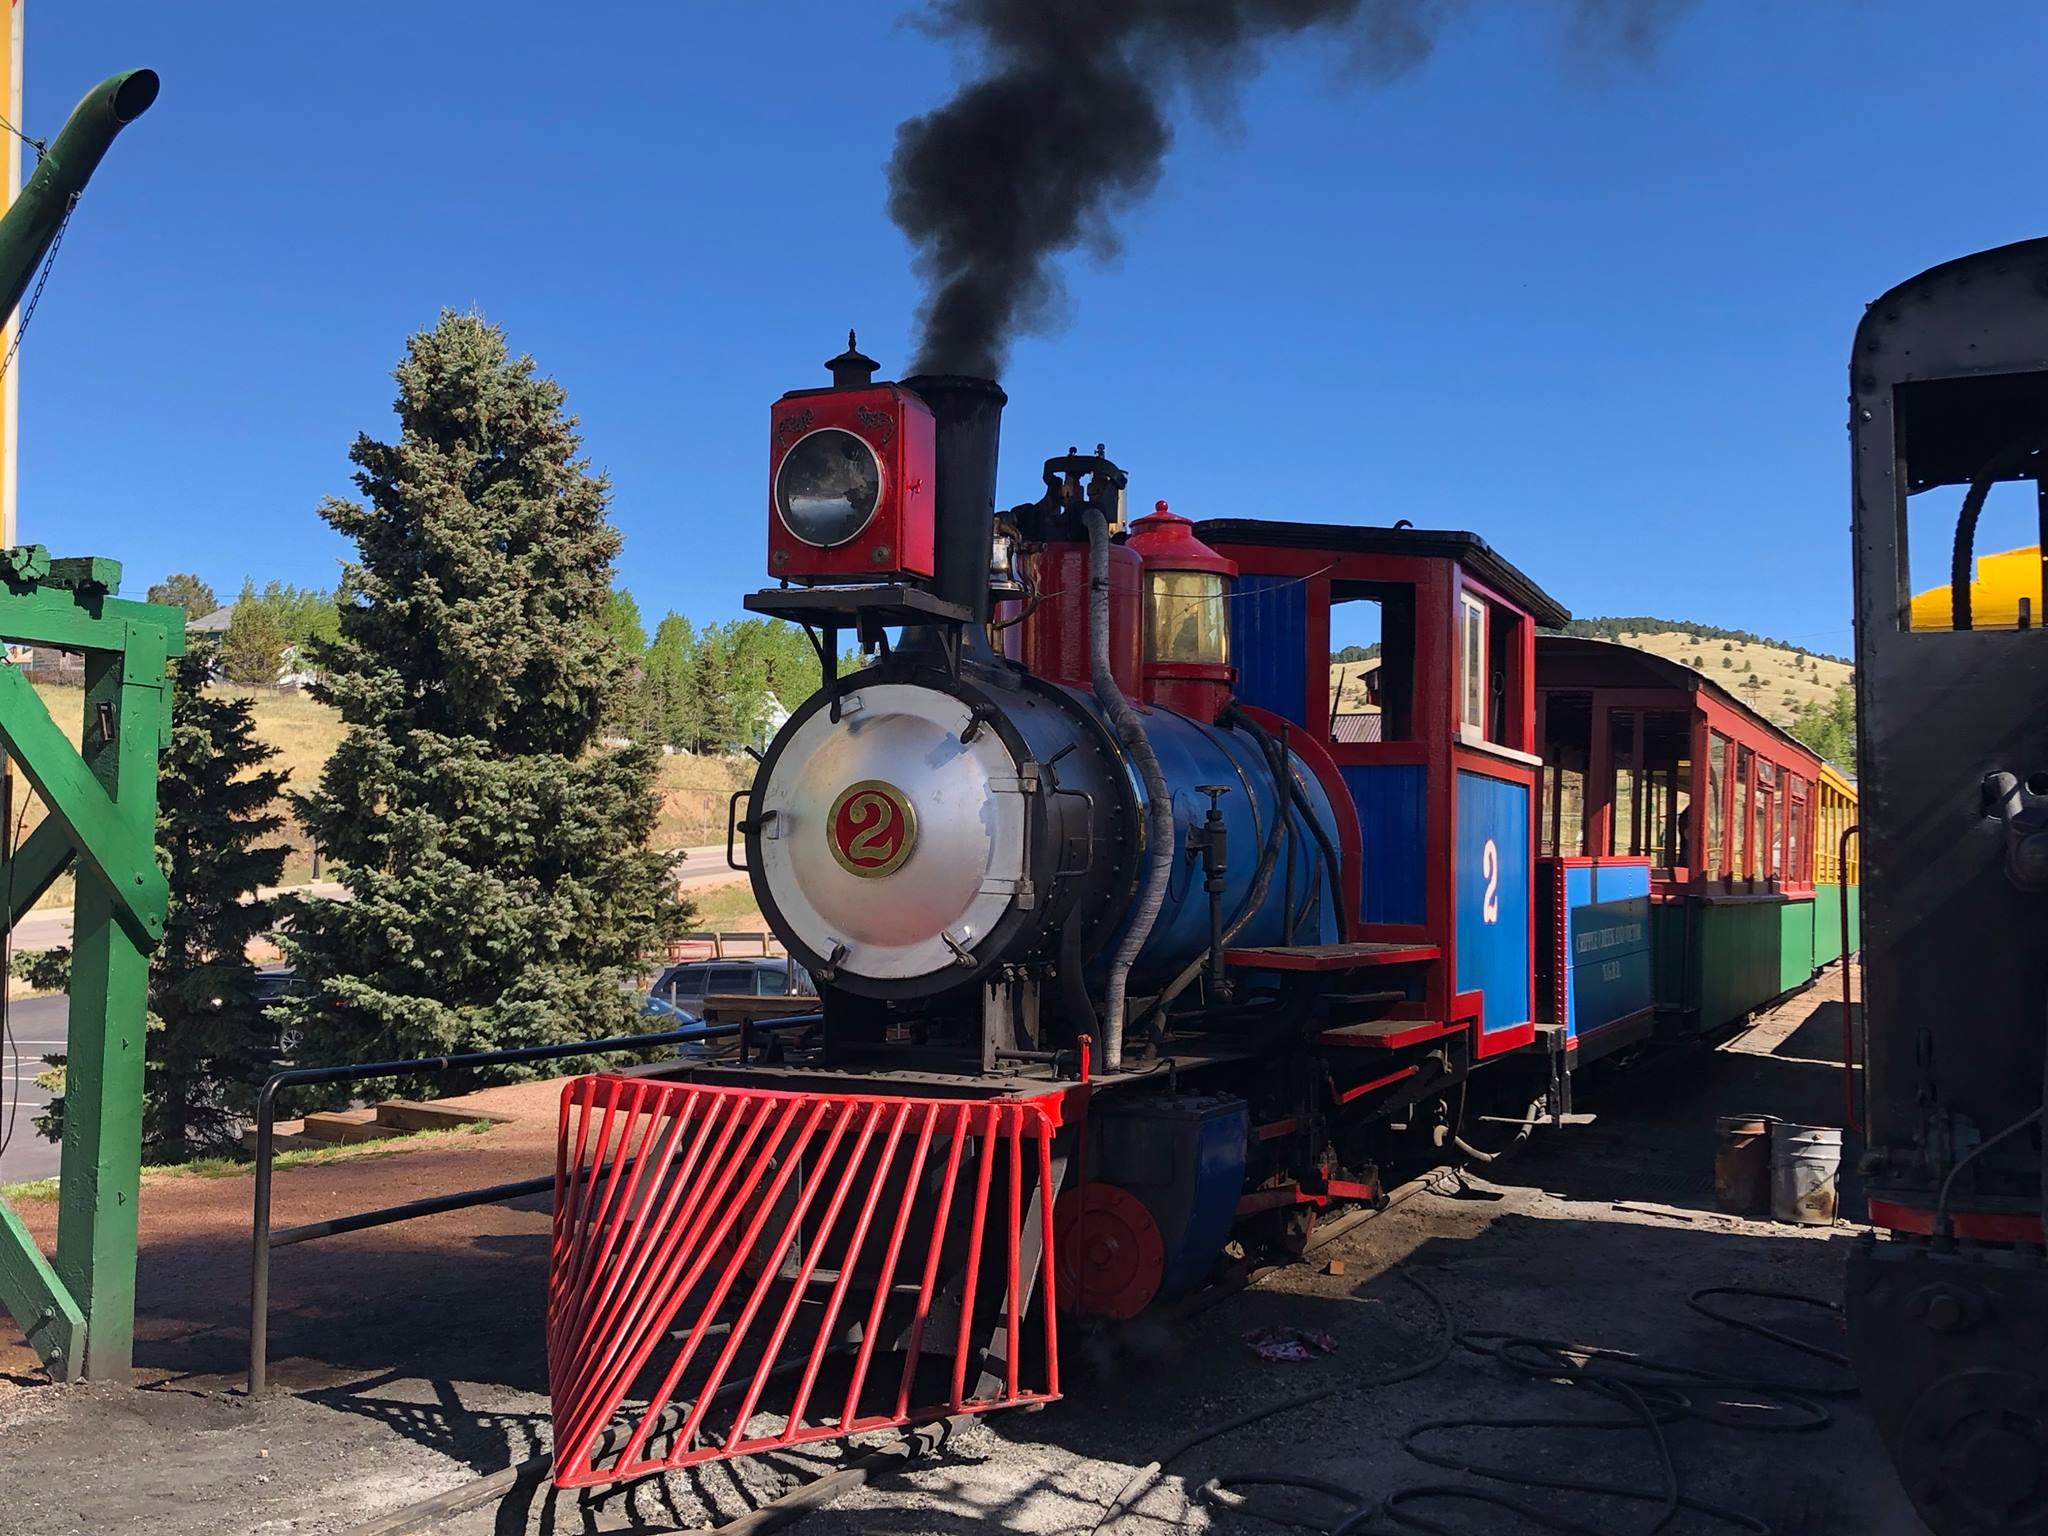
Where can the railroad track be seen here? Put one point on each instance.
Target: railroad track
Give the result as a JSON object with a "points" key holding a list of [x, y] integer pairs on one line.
{"points": [[892, 1455]]}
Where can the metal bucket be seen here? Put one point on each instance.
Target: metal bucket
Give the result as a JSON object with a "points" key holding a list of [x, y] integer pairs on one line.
{"points": [[1805, 1160], [1742, 1165]]}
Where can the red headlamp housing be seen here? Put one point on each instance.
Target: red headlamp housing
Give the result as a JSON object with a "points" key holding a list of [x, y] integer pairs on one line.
{"points": [[850, 486]]}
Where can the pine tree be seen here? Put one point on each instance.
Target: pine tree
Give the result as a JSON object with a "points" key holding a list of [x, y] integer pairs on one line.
{"points": [[183, 590], [668, 698], [626, 711], [622, 618], [208, 1044], [250, 651], [497, 857]]}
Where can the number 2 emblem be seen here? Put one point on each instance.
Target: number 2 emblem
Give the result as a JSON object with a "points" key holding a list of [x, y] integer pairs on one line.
{"points": [[871, 828], [1489, 865]]}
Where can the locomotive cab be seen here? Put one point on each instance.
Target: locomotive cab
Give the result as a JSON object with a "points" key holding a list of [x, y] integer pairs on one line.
{"points": [[1948, 417]]}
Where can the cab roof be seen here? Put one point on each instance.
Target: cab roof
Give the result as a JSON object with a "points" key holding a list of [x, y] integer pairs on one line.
{"points": [[1468, 549]]}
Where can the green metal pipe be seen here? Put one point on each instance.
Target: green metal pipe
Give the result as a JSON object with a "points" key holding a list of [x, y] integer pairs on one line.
{"points": [[34, 218]]}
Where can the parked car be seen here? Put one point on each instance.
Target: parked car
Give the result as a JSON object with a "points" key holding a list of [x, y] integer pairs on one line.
{"points": [[275, 983], [684, 986]]}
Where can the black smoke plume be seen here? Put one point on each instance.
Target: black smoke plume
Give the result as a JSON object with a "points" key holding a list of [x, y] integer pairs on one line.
{"points": [[1068, 125]]}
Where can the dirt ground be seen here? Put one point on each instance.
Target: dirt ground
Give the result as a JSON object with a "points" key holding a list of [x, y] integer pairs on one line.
{"points": [[410, 1359]]}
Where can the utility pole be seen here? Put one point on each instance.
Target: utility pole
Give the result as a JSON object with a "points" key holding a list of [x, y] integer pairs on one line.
{"points": [[10, 386]]}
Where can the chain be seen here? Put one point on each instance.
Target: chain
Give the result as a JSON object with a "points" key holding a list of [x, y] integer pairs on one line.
{"points": [[35, 295]]}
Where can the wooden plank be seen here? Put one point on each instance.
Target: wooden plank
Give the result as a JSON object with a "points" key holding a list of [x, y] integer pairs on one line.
{"points": [[43, 856], [118, 848], [1385, 1034], [31, 1291], [411, 1115], [82, 621], [100, 1185], [1330, 957]]}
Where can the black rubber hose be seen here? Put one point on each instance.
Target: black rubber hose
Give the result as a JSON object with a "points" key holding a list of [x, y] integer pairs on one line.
{"points": [[1652, 1394], [1438, 1352], [1964, 554]]}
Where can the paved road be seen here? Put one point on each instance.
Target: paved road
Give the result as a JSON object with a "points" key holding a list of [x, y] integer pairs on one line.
{"points": [[35, 1029]]}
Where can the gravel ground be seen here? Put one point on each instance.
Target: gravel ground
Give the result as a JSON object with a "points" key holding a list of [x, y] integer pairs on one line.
{"points": [[434, 1373]]}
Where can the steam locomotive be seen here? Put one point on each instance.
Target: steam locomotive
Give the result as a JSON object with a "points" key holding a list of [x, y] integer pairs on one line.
{"points": [[1131, 939], [1948, 1315]]}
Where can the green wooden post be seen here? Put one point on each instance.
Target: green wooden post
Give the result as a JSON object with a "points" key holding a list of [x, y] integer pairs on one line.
{"points": [[79, 1313]]}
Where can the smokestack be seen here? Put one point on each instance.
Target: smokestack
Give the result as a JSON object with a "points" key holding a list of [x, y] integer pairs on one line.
{"points": [[968, 415]]}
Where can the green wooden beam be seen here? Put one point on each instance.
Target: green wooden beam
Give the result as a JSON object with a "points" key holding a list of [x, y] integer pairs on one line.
{"points": [[82, 620], [43, 855], [103, 1070], [119, 850], [30, 1290]]}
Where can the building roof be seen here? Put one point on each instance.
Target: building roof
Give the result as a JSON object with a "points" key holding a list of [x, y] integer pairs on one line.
{"points": [[214, 623]]}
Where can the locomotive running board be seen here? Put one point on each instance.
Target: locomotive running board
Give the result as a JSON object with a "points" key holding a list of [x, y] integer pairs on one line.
{"points": [[724, 1274]]}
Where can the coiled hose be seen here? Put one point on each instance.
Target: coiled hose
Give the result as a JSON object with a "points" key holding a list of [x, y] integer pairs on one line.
{"points": [[1158, 797], [1651, 1394]]}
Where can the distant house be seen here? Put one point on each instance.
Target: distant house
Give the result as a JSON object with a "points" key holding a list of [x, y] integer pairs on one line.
{"points": [[772, 718], [214, 623], [294, 670]]}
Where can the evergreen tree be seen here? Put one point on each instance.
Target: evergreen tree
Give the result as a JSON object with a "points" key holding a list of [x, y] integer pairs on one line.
{"points": [[713, 687], [626, 711], [669, 701], [497, 859], [183, 590], [622, 618], [1829, 727], [208, 1045], [250, 651], [1727, 663]]}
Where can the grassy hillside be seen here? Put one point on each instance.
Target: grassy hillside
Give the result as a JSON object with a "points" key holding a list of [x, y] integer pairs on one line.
{"points": [[1784, 680], [304, 731]]}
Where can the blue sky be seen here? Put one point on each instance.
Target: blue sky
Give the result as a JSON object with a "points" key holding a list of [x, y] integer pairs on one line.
{"points": [[1593, 309]]}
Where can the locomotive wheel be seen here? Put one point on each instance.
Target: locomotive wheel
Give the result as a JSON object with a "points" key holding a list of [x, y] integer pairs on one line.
{"points": [[1951, 1352], [1978, 1441], [1109, 1256]]}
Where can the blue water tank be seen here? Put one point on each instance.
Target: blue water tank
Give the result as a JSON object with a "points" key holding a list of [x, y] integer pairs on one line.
{"points": [[1183, 1158]]}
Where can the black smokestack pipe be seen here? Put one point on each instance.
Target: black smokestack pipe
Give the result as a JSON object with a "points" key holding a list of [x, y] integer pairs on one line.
{"points": [[968, 414]]}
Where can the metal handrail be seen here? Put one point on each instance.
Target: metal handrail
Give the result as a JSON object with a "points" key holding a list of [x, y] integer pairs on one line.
{"points": [[1849, 1121], [262, 1239]]}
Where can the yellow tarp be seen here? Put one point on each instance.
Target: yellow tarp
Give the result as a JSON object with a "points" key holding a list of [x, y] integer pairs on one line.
{"points": [[2002, 580]]}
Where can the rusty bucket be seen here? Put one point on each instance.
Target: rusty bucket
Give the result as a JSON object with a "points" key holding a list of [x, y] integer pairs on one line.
{"points": [[1805, 1162], [1742, 1165]]}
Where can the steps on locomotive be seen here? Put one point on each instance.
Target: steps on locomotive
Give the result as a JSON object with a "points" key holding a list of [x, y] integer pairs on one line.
{"points": [[1384, 1034], [1329, 957]]}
